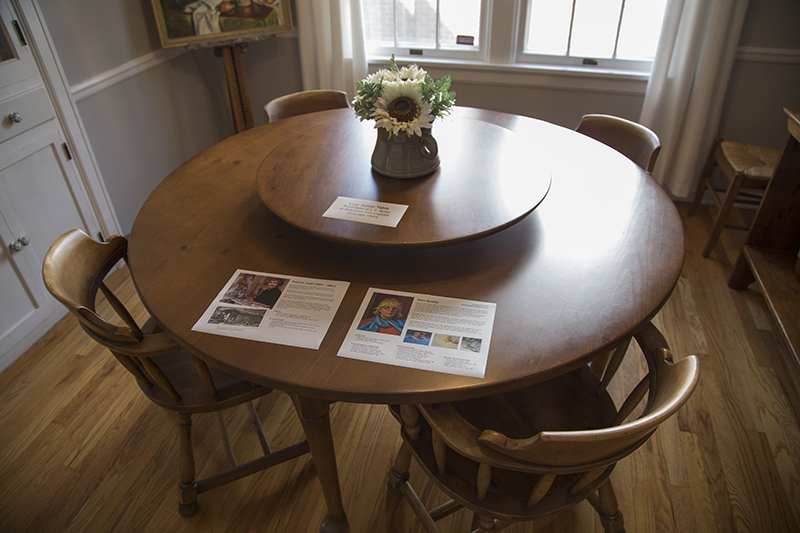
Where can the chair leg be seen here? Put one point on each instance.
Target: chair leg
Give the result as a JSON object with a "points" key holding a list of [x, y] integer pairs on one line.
{"points": [[724, 212], [599, 363], [483, 523], [613, 365], [259, 429], [226, 443], [604, 502], [398, 485], [705, 174], [398, 473], [742, 274], [187, 484]]}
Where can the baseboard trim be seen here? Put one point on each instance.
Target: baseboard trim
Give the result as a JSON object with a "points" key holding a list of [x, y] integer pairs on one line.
{"points": [[24, 344]]}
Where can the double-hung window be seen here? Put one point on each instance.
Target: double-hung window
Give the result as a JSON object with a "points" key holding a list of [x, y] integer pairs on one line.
{"points": [[430, 28], [614, 34], [584, 34]]}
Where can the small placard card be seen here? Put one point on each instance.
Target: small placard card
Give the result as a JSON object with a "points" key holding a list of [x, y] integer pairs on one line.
{"points": [[366, 211]]}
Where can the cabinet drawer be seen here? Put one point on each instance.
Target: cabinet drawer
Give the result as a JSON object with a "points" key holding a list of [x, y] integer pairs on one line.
{"points": [[32, 108]]}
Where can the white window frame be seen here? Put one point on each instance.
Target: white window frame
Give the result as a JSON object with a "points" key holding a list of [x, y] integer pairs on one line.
{"points": [[570, 62], [501, 55], [467, 53]]}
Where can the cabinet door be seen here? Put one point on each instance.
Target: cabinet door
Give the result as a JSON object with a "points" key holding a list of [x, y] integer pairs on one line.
{"points": [[36, 206], [18, 71]]}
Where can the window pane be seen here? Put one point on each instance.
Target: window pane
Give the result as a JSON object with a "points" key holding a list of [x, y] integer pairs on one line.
{"points": [[459, 17], [641, 28], [595, 28], [548, 27], [416, 23], [378, 22]]}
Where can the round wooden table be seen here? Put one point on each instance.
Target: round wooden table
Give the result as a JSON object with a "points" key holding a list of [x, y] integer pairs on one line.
{"points": [[590, 265]]}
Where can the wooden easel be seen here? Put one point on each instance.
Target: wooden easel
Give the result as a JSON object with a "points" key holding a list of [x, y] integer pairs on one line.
{"points": [[237, 86]]}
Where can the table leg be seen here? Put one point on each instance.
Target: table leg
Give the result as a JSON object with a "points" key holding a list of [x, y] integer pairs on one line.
{"points": [[315, 416]]}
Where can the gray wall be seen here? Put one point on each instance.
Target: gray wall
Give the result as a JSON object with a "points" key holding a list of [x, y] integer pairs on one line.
{"points": [[766, 74], [562, 106], [143, 127]]}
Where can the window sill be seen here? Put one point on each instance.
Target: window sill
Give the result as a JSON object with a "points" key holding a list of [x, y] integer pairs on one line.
{"points": [[528, 75]]}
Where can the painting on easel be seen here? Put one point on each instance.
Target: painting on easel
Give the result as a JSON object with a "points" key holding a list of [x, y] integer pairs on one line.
{"points": [[216, 22]]}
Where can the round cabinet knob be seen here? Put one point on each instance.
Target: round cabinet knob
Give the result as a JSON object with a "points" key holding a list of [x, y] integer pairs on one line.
{"points": [[17, 245], [15, 117]]}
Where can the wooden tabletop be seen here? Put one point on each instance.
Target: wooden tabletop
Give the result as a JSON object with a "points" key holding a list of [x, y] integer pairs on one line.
{"points": [[595, 261], [485, 183]]}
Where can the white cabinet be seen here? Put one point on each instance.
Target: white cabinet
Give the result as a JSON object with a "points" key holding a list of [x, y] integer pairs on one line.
{"points": [[36, 206], [41, 195]]}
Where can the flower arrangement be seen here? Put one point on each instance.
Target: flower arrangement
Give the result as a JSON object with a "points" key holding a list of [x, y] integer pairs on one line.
{"points": [[403, 99]]}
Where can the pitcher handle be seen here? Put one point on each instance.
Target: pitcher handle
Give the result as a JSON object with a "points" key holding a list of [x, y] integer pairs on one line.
{"points": [[428, 148]]}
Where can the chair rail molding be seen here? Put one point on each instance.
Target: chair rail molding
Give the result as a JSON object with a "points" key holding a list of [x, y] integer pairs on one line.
{"points": [[111, 77], [757, 54]]}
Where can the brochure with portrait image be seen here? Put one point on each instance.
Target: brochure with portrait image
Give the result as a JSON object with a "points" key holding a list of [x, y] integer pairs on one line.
{"points": [[274, 308], [421, 331]]}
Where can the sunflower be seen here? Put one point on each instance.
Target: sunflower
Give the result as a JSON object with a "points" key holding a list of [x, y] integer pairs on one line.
{"points": [[402, 99], [400, 107]]}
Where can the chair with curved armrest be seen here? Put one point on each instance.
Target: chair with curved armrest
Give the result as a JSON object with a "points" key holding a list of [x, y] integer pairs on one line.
{"points": [[748, 169], [632, 140], [520, 455], [74, 270], [304, 102], [640, 145]]}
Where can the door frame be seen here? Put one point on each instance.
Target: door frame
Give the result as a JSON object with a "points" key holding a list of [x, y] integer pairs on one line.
{"points": [[102, 220]]}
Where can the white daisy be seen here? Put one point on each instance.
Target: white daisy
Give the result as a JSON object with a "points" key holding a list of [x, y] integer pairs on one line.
{"points": [[412, 73], [383, 74], [400, 108]]}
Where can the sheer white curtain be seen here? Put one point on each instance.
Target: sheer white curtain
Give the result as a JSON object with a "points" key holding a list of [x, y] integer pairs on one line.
{"points": [[687, 86], [332, 50]]}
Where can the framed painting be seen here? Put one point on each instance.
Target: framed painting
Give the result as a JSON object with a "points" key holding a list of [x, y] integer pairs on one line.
{"points": [[219, 22]]}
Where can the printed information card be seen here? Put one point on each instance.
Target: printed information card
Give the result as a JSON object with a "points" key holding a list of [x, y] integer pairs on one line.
{"points": [[421, 331], [366, 211], [274, 308]]}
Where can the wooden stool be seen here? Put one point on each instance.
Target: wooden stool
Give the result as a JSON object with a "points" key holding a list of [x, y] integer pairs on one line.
{"points": [[746, 166]]}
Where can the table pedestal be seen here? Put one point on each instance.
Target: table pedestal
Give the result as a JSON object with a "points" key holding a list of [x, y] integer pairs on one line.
{"points": [[315, 417]]}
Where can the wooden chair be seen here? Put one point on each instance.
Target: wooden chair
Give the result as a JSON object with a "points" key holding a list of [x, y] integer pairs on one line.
{"points": [[640, 145], [748, 169], [632, 140], [74, 269], [521, 455], [304, 102]]}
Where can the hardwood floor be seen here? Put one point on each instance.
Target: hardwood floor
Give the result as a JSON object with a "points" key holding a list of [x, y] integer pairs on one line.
{"points": [[81, 449]]}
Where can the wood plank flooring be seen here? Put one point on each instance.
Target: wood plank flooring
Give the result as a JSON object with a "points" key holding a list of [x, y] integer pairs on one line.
{"points": [[81, 449]]}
